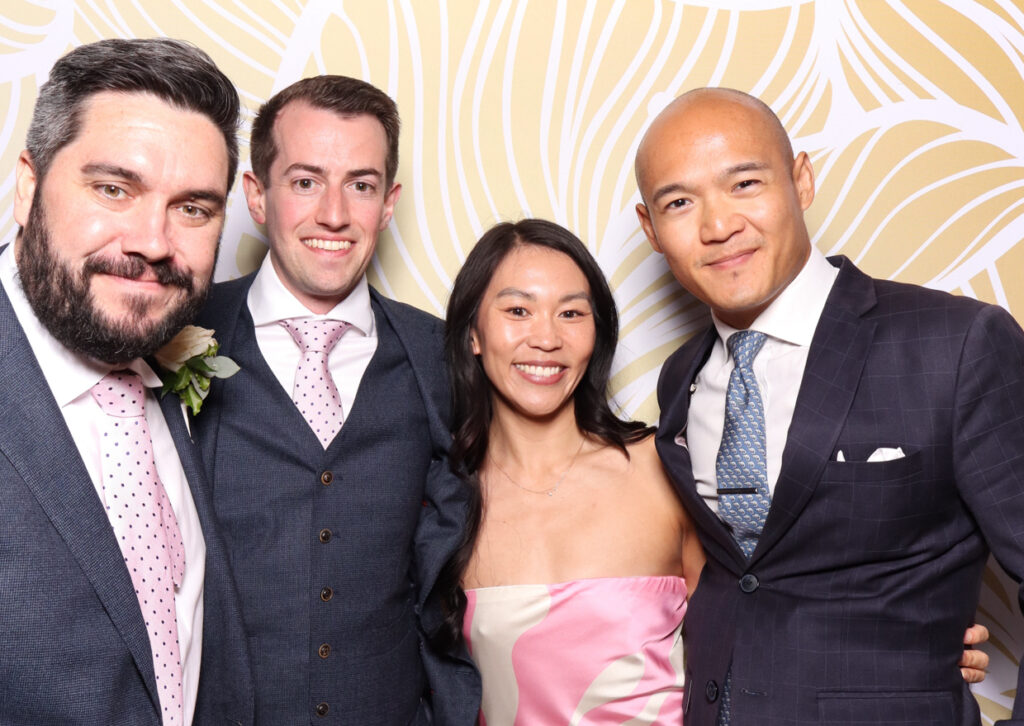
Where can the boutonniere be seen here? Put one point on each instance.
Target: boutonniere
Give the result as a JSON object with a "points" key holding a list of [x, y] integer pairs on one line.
{"points": [[189, 361]]}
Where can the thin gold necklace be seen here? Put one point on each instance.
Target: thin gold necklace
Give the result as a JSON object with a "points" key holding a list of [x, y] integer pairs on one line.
{"points": [[550, 491]]}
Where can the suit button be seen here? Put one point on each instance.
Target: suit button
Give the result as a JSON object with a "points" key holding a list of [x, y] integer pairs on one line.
{"points": [[326, 478], [749, 583], [325, 536], [324, 650], [711, 691], [326, 594], [322, 709]]}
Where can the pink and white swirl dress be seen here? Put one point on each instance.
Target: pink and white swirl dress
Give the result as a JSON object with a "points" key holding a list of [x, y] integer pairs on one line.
{"points": [[586, 652]]}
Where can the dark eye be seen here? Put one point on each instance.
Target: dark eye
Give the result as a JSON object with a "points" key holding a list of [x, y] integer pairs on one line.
{"points": [[361, 186], [193, 212], [747, 183], [678, 203], [304, 184], [517, 312]]}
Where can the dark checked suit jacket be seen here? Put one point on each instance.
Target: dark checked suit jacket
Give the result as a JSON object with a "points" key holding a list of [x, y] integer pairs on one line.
{"points": [[73, 645], [852, 608], [336, 551]]}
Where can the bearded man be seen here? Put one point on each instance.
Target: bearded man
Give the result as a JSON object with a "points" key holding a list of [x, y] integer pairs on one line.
{"points": [[114, 587]]}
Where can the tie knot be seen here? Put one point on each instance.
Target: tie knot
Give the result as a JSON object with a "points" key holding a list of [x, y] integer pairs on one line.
{"points": [[316, 335], [744, 346], [121, 394]]}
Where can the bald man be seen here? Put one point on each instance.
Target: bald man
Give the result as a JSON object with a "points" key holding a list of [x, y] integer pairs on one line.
{"points": [[849, 448]]}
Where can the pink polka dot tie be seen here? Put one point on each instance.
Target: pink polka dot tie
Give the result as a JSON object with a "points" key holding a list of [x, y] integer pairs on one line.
{"points": [[144, 524], [315, 393]]}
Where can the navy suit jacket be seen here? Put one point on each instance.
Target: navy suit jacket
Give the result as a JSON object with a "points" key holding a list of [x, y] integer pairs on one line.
{"points": [[452, 678], [852, 608], [73, 644]]}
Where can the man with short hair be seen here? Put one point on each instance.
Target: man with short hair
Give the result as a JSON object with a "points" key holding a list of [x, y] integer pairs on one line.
{"points": [[849, 448], [329, 449], [114, 584]]}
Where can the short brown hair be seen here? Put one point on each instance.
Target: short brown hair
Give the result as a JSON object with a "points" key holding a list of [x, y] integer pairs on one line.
{"points": [[344, 96]]}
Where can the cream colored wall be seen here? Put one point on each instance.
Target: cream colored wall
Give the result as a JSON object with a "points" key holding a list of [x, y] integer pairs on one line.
{"points": [[911, 111]]}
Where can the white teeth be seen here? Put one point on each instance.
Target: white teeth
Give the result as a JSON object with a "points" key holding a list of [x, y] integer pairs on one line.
{"points": [[331, 245], [541, 371]]}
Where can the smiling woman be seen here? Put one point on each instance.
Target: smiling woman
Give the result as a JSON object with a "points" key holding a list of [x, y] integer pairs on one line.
{"points": [[576, 532]]}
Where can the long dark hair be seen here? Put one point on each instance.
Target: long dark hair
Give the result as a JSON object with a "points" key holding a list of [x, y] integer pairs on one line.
{"points": [[471, 389]]}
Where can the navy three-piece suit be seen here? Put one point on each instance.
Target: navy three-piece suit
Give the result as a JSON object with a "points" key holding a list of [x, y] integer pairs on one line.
{"points": [[853, 606], [336, 551], [73, 645]]}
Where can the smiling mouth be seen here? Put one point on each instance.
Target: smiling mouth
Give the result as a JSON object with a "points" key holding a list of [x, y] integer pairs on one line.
{"points": [[539, 371], [330, 245]]}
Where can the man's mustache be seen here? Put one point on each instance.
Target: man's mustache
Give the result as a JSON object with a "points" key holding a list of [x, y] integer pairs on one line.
{"points": [[133, 268]]}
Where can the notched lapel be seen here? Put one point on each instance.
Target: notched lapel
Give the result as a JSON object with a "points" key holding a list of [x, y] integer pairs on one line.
{"points": [[674, 387], [57, 478], [838, 352]]}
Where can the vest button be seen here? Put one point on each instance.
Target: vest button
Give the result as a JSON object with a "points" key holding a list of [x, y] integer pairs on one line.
{"points": [[749, 583], [322, 709], [325, 536], [323, 651], [326, 478], [326, 594], [711, 691]]}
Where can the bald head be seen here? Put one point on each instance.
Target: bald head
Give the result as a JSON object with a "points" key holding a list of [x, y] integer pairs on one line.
{"points": [[707, 109], [724, 200]]}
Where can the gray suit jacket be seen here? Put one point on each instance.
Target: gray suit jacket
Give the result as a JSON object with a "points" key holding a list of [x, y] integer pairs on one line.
{"points": [[852, 608], [73, 644]]}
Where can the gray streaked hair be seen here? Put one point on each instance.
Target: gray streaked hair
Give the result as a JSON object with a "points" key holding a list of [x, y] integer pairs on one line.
{"points": [[173, 70]]}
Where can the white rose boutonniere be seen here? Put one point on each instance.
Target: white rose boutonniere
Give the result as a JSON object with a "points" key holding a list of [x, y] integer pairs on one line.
{"points": [[189, 361]]}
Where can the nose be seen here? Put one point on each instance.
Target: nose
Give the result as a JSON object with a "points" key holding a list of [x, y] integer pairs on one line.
{"points": [[332, 210], [149, 235], [719, 221], [545, 334]]}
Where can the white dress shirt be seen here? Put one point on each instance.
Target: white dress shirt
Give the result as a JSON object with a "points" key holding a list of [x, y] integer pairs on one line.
{"points": [[270, 302], [70, 378], [789, 324]]}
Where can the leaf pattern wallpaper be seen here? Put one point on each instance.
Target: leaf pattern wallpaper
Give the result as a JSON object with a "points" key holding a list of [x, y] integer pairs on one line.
{"points": [[911, 111]]}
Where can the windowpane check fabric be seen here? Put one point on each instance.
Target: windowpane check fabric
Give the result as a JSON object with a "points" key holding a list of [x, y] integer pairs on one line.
{"points": [[144, 524], [314, 392]]}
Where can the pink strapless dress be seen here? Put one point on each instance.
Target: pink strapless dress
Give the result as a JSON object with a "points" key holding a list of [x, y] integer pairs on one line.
{"points": [[585, 652]]}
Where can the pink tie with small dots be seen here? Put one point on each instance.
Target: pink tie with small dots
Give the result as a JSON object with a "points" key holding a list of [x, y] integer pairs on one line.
{"points": [[315, 393], [145, 526]]}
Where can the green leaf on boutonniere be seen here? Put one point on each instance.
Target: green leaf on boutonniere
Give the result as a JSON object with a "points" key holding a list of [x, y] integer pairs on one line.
{"points": [[189, 361]]}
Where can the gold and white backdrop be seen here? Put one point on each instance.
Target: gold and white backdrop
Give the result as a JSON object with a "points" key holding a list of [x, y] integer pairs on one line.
{"points": [[911, 110]]}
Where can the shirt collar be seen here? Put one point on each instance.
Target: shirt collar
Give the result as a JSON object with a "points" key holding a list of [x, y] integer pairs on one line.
{"points": [[793, 315], [68, 374], [271, 302]]}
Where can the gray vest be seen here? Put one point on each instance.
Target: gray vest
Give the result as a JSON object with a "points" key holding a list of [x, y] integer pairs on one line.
{"points": [[321, 542]]}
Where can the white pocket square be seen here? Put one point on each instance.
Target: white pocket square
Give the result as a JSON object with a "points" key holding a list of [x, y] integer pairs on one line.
{"points": [[882, 453]]}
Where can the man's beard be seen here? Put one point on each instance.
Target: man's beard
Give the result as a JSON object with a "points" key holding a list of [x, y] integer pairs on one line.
{"points": [[64, 303]]}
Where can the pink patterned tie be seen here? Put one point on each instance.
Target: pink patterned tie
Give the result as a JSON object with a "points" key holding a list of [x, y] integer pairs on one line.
{"points": [[144, 524], [315, 393]]}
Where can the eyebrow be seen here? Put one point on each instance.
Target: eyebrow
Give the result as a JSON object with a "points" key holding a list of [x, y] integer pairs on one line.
{"points": [[114, 171], [516, 292], [680, 187], [314, 169]]}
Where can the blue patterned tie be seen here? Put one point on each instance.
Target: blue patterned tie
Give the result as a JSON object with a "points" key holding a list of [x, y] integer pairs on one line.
{"points": [[743, 497], [741, 470]]}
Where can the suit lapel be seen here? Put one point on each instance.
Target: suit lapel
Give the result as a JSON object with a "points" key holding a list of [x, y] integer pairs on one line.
{"points": [[39, 446], [838, 352], [680, 373]]}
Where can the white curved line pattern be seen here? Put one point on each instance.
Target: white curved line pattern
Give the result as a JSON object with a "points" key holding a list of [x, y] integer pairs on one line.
{"points": [[912, 112]]}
